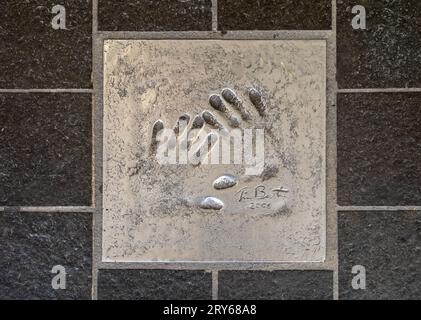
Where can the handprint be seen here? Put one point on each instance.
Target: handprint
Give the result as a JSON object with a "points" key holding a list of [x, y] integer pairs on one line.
{"points": [[190, 135], [209, 118]]}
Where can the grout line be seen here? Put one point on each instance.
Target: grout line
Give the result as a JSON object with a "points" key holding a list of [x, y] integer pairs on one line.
{"points": [[46, 90], [94, 17], [332, 157], [215, 15], [96, 52], [97, 68], [93, 155], [336, 283], [378, 208], [94, 284], [379, 90], [229, 35], [49, 209], [215, 266], [215, 285]]}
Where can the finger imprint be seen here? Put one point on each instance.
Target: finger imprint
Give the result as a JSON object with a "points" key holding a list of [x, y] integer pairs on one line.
{"points": [[216, 102], [231, 97], [224, 182], [212, 120], [179, 129], [256, 99], [182, 123], [205, 147], [197, 124], [157, 127], [211, 203]]}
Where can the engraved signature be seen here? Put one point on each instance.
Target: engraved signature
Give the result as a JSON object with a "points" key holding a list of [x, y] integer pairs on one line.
{"points": [[260, 192]]}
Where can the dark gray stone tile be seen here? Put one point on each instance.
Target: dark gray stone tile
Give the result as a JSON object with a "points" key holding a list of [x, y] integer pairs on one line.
{"points": [[275, 285], [154, 285], [388, 246], [34, 55], [274, 14], [379, 149], [152, 15], [45, 149], [31, 244], [387, 53]]}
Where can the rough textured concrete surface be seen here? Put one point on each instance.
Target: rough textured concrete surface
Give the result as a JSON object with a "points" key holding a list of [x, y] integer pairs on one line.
{"points": [[379, 149], [276, 285], [154, 285], [45, 149], [152, 211], [387, 54], [274, 14], [388, 246], [34, 55], [152, 15], [31, 244]]}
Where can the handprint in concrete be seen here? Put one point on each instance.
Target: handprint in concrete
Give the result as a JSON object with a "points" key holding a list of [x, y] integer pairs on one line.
{"points": [[192, 136]]}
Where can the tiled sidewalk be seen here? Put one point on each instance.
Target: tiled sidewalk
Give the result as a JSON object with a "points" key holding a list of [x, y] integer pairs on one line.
{"points": [[51, 148]]}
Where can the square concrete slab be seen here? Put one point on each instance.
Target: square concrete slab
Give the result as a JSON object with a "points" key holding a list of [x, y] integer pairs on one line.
{"points": [[45, 149], [264, 96], [35, 55], [385, 55], [152, 15], [32, 244], [386, 248], [114, 284], [274, 15], [275, 285], [378, 133]]}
